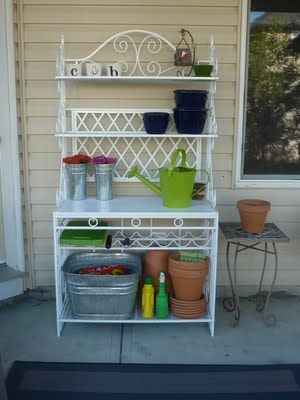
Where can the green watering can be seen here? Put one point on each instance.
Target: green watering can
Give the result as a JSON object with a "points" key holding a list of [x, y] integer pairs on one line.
{"points": [[176, 183]]}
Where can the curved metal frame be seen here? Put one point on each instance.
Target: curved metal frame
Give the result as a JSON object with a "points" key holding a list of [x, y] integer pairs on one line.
{"points": [[232, 304], [122, 42]]}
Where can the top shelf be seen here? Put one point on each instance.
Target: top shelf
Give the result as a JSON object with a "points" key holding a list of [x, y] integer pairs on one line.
{"points": [[132, 79]]}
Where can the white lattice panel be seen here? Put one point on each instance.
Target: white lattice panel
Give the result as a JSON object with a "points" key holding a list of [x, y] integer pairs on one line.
{"points": [[118, 122], [149, 154]]}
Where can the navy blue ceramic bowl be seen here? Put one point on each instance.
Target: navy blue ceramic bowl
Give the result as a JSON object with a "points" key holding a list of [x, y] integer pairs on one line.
{"points": [[189, 120], [156, 122], [190, 98]]}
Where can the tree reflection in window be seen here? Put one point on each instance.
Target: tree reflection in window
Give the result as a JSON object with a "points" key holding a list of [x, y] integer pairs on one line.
{"points": [[272, 140]]}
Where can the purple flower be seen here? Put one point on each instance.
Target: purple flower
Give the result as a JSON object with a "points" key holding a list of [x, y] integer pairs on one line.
{"points": [[104, 160]]}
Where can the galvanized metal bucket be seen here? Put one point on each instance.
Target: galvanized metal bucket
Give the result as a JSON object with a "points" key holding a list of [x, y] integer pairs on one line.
{"points": [[104, 179], [76, 181], [102, 296]]}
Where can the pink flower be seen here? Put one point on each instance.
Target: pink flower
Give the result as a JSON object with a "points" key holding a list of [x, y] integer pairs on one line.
{"points": [[104, 160]]}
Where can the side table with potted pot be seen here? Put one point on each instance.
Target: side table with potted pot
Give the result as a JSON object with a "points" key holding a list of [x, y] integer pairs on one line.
{"points": [[254, 234]]}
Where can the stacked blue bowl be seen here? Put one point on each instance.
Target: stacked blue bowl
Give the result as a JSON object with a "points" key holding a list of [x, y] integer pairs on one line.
{"points": [[190, 112]]}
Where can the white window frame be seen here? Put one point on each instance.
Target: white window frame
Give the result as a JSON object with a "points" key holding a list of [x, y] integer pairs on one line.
{"points": [[239, 181], [9, 155]]}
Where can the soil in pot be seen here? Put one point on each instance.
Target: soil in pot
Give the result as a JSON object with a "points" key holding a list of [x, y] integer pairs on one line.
{"points": [[253, 213]]}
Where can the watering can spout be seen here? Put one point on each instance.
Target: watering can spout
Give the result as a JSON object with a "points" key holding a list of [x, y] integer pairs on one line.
{"points": [[135, 173]]}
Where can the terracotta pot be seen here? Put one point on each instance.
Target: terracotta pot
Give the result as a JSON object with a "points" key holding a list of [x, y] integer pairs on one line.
{"points": [[188, 274], [174, 262], [188, 285], [155, 262], [253, 214]]}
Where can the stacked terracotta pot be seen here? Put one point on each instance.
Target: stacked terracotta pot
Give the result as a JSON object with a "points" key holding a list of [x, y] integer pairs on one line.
{"points": [[155, 262], [188, 279]]}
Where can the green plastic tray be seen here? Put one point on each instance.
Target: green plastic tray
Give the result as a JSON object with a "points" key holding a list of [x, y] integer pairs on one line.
{"points": [[79, 237]]}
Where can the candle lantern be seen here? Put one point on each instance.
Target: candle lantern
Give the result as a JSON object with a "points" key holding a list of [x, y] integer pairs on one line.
{"points": [[184, 54]]}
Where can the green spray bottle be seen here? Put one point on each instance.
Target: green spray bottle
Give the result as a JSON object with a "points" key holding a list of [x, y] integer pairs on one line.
{"points": [[162, 307]]}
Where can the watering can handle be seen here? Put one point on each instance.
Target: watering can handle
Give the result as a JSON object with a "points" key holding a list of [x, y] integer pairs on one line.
{"points": [[173, 160]]}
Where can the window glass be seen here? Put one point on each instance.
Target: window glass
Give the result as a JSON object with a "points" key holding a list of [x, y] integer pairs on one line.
{"points": [[272, 120]]}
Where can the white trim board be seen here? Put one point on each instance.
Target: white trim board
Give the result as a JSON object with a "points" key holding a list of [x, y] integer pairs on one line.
{"points": [[9, 150], [240, 182]]}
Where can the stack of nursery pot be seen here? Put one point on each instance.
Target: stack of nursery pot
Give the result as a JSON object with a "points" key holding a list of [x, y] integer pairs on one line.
{"points": [[76, 167], [188, 278], [253, 214]]}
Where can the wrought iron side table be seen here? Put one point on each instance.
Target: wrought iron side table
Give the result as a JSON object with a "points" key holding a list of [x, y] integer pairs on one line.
{"points": [[259, 242]]}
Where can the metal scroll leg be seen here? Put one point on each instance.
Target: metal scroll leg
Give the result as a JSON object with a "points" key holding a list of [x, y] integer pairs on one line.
{"points": [[260, 299], [270, 318], [232, 303]]}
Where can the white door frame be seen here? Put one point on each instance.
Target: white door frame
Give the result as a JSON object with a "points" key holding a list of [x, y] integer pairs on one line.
{"points": [[9, 148]]}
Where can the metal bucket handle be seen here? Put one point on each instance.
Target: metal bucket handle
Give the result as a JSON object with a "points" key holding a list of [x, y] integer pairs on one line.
{"points": [[173, 160], [206, 183]]}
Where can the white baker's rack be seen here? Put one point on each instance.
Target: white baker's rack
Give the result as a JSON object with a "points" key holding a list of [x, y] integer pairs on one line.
{"points": [[142, 220]]}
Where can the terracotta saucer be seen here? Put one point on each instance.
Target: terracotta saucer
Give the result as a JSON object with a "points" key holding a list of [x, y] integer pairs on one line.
{"points": [[184, 308], [188, 312], [187, 302], [188, 316]]}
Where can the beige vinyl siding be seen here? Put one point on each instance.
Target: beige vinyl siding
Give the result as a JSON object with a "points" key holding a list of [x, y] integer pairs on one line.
{"points": [[87, 24]]}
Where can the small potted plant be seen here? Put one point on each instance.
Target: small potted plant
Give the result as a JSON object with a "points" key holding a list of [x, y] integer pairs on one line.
{"points": [[104, 171], [76, 167], [202, 68]]}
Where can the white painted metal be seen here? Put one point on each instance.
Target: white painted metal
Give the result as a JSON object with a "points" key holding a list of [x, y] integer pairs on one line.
{"points": [[94, 129], [187, 231], [138, 79], [142, 219], [95, 134], [124, 206], [137, 319], [10, 169]]}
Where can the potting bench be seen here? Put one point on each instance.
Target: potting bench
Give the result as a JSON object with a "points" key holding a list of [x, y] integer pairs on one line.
{"points": [[261, 242], [135, 223]]}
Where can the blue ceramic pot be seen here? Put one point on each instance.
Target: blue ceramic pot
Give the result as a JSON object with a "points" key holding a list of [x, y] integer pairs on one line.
{"points": [[190, 98], [189, 120], [156, 122]]}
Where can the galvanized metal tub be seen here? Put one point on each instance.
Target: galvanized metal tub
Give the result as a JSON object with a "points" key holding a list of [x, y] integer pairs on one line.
{"points": [[102, 297]]}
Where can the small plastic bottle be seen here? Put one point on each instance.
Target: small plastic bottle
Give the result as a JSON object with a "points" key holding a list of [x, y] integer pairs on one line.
{"points": [[162, 307], [148, 298]]}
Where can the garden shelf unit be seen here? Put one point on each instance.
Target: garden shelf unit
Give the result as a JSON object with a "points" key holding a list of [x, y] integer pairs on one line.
{"points": [[136, 223]]}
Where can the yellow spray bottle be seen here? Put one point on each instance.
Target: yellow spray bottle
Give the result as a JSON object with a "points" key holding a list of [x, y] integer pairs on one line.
{"points": [[148, 298]]}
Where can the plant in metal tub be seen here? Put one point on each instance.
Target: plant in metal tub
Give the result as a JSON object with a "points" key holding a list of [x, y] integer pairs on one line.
{"points": [[102, 296]]}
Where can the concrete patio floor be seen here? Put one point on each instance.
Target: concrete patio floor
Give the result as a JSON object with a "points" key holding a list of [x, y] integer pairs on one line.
{"points": [[28, 333]]}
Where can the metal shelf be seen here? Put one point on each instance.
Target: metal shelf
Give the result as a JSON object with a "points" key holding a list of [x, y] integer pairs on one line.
{"points": [[137, 79], [67, 316], [121, 134], [132, 206], [74, 134]]}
